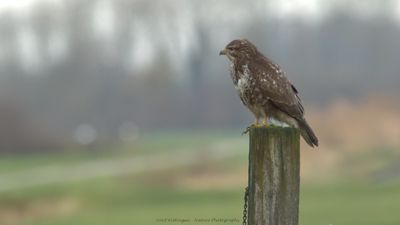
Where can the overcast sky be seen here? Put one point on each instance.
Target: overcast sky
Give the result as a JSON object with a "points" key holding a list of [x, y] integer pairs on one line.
{"points": [[309, 8]]}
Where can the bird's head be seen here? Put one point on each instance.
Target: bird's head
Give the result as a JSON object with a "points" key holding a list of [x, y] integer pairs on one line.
{"points": [[239, 49]]}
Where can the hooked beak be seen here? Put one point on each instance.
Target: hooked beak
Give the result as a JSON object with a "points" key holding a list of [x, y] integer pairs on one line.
{"points": [[223, 52]]}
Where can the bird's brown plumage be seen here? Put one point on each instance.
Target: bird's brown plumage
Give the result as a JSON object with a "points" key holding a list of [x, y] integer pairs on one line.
{"points": [[264, 89]]}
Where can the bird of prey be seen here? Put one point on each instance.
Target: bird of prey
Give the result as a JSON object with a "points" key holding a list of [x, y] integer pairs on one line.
{"points": [[264, 89]]}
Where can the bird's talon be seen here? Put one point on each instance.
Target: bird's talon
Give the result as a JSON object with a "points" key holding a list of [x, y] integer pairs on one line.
{"points": [[246, 130], [265, 122]]}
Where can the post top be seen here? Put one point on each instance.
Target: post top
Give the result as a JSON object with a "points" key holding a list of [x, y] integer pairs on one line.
{"points": [[273, 130]]}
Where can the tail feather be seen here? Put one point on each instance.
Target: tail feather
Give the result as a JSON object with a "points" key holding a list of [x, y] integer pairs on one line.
{"points": [[307, 133]]}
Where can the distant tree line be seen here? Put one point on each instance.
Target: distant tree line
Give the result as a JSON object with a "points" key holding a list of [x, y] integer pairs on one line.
{"points": [[57, 70]]}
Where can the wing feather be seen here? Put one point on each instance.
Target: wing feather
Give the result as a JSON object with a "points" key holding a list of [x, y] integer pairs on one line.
{"points": [[275, 87]]}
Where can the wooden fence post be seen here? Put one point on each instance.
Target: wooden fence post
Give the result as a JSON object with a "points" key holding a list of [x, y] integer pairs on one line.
{"points": [[274, 176]]}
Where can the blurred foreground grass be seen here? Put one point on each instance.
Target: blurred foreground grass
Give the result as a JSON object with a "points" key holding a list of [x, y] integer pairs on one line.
{"points": [[210, 185], [113, 201]]}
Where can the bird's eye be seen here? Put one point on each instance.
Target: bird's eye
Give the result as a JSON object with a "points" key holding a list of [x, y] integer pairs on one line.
{"points": [[230, 48]]}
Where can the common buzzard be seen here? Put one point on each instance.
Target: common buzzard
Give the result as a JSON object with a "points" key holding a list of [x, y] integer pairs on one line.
{"points": [[264, 89]]}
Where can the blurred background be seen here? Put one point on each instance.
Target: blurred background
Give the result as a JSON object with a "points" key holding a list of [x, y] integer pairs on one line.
{"points": [[122, 112]]}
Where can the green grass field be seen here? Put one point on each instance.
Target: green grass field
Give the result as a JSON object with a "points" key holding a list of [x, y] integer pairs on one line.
{"points": [[154, 194]]}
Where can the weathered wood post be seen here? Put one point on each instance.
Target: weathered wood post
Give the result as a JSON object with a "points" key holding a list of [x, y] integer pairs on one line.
{"points": [[274, 176]]}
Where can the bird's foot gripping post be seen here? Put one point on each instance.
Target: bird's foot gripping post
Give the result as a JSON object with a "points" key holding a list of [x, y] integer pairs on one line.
{"points": [[274, 176], [247, 130], [256, 124]]}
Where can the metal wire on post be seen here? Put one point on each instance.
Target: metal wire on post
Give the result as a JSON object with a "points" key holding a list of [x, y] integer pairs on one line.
{"points": [[246, 196]]}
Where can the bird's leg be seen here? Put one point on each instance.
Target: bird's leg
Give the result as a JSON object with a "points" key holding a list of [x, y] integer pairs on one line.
{"points": [[265, 121], [256, 123]]}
